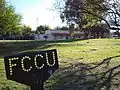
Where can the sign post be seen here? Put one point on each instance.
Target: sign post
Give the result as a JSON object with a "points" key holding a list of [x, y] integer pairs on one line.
{"points": [[31, 68], [37, 87]]}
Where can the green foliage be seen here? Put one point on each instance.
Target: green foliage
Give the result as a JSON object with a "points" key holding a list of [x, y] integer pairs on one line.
{"points": [[62, 28], [106, 11], [91, 14], [70, 53], [42, 28], [87, 13], [25, 29], [9, 20], [82, 12]]}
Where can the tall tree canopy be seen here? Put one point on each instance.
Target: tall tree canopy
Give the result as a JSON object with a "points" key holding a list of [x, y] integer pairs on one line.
{"points": [[25, 30], [61, 28], [9, 20], [85, 13], [42, 28]]}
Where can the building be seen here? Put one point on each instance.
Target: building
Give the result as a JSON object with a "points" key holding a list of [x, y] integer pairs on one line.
{"points": [[59, 35]]}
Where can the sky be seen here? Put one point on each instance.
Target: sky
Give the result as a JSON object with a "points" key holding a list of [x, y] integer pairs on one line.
{"points": [[37, 12]]}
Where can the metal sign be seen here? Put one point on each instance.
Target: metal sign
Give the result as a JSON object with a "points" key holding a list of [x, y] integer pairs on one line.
{"points": [[31, 68]]}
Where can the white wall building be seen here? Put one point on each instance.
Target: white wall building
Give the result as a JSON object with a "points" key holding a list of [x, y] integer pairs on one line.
{"points": [[58, 35]]}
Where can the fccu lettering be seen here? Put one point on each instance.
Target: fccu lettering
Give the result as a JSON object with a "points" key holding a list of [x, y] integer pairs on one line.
{"points": [[31, 68], [12, 64]]}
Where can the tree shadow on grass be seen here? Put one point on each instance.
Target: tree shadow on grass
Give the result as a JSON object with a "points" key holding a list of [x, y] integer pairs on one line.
{"points": [[8, 48], [101, 76], [12, 47]]}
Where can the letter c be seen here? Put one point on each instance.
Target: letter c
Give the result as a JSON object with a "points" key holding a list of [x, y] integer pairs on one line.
{"points": [[36, 56], [22, 63]]}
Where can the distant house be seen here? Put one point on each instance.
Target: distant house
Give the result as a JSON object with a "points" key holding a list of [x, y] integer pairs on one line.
{"points": [[59, 35]]}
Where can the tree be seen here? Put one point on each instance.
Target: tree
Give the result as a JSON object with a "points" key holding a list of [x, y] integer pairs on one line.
{"points": [[74, 13], [25, 30], [10, 21], [92, 13], [62, 28], [87, 13], [42, 28], [57, 28]]}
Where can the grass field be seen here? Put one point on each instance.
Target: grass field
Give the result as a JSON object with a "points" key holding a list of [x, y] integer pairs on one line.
{"points": [[79, 68]]}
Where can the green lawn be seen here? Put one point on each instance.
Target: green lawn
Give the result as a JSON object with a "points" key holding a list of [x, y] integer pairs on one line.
{"points": [[75, 57]]}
